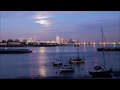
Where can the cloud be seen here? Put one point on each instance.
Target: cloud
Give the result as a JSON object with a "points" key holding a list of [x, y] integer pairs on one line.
{"points": [[41, 17], [45, 23]]}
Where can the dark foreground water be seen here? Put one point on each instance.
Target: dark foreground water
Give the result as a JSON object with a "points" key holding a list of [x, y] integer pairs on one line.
{"points": [[39, 62]]}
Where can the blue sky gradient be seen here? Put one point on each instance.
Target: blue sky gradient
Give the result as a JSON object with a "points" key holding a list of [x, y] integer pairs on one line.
{"points": [[47, 25]]}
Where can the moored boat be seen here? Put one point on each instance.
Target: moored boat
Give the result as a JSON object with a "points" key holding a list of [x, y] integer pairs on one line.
{"points": [[78, 59], [67, 69], [108, 49], [101, 71], [57, 63]]}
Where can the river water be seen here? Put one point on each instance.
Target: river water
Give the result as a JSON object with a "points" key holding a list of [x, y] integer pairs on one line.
{"points": [[39, 62]]}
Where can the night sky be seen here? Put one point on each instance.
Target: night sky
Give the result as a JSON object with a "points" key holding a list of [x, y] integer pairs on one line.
{"points": [[46, 25]]}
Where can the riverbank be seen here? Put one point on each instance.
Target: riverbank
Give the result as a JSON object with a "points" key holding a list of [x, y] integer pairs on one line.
{"points": [[58, 77]]}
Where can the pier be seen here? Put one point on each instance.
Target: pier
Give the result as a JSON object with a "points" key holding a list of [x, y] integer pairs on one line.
{"points": [[14, 51]]}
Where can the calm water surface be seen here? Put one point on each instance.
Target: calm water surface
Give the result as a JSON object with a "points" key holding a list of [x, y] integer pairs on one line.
{"points": [[39, 62]]}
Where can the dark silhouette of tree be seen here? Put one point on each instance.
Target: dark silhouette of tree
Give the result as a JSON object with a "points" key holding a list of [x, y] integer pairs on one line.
{"points": [[3, 41], [9, 40], [24, 40], [16, 40]]}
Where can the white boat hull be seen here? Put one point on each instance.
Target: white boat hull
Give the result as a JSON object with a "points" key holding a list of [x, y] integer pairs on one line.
{"points": [[57, 63], [67, 69]]}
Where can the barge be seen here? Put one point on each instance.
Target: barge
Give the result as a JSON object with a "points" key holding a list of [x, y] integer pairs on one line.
{"points": [[108, 49]]}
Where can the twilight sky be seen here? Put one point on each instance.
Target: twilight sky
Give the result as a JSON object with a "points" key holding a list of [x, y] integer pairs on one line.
{"points": [[46, 25]]}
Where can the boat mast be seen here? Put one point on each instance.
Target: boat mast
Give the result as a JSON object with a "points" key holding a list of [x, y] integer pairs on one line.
{"points": [[119, 39], [61, 56], [78, 48], [103, 47]]}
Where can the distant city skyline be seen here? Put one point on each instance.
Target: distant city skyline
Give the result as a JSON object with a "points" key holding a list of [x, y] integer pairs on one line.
{"points": [[45, 25]]}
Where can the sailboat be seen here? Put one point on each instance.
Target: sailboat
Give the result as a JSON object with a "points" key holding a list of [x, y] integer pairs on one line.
{"points": [[100, 71], [58, 62], [67, 68], [78, 59]]}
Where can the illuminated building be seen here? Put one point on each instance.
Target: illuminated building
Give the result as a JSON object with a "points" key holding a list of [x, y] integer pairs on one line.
{"points": [[58, 39]]}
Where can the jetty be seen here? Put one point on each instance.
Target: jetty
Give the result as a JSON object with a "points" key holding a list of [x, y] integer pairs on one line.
{"points": [[14, 51]]}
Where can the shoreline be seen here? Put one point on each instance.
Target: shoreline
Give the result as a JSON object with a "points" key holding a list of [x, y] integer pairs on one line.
{"points": [[58, 77]]}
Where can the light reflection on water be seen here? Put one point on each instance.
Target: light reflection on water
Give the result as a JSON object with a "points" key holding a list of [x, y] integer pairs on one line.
{"points": [[84, 48], [42, 71], [40, 61]]}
